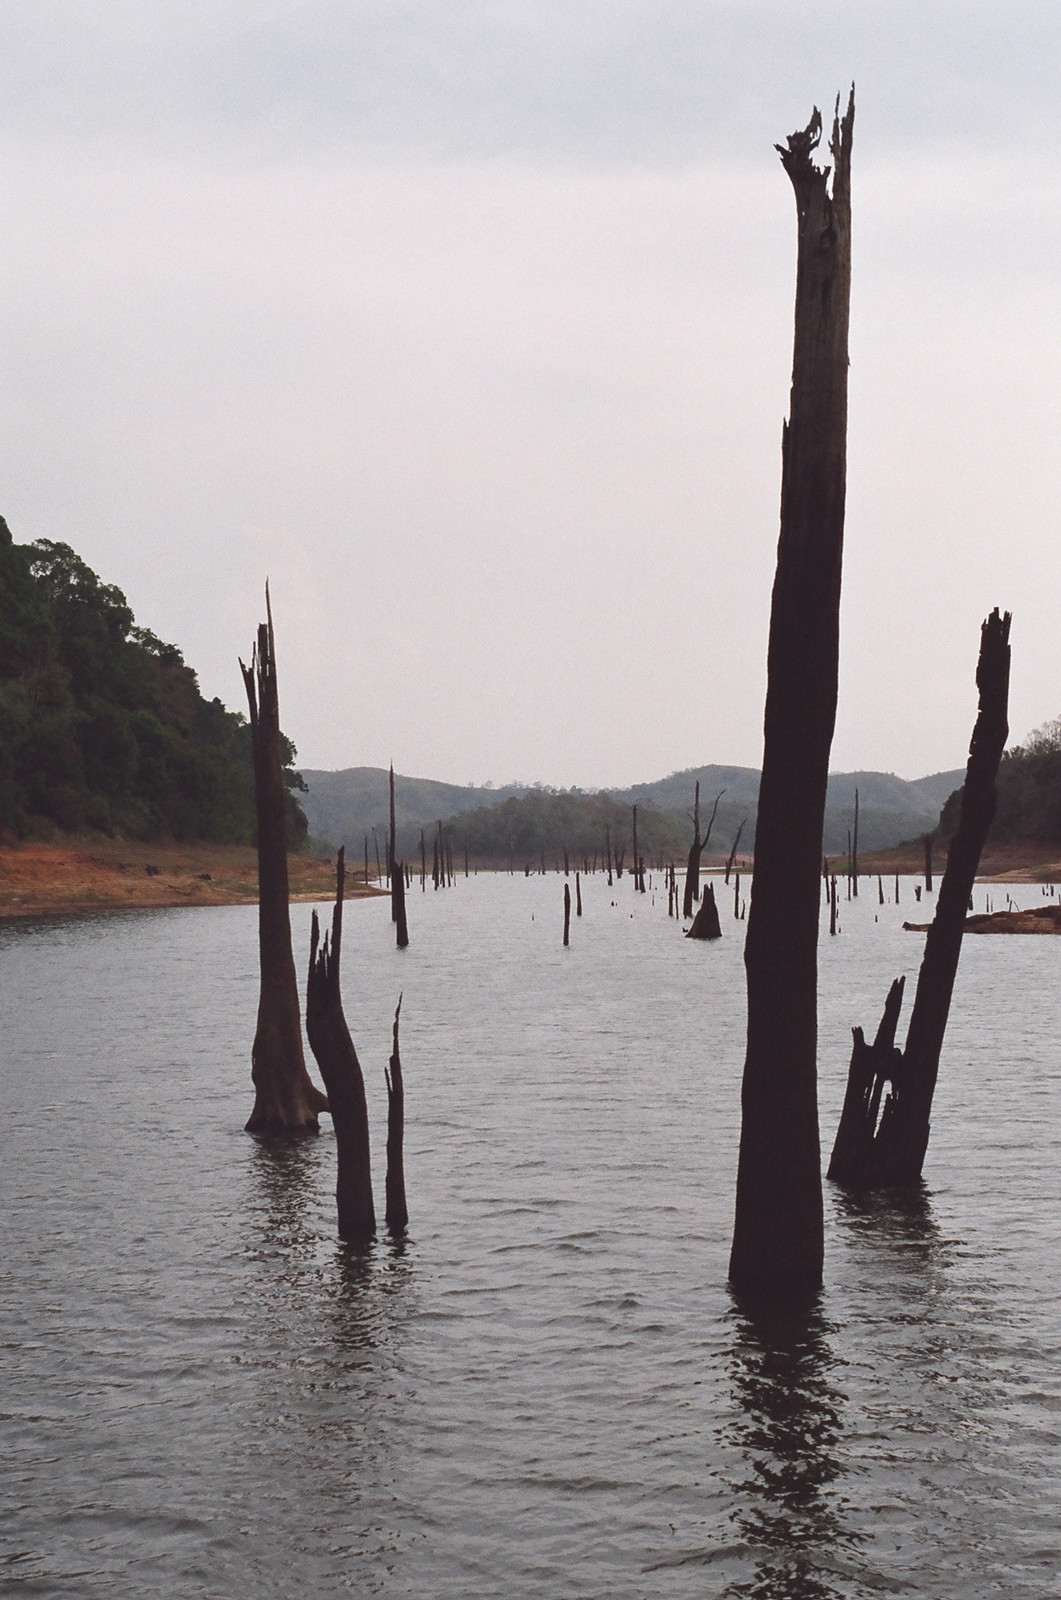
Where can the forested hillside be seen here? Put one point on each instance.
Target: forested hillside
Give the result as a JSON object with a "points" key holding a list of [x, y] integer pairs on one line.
{"points": [[1029, 792], [344, 807], [102, 725]]}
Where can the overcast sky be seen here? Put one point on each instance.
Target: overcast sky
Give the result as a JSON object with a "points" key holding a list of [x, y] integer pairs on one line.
{"points": [[469, 325]]}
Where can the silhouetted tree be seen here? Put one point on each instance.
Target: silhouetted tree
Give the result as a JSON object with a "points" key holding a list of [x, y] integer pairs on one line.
{"points": [[869, 1152], [285, 1100], [778, 1233], [333, 1048]]}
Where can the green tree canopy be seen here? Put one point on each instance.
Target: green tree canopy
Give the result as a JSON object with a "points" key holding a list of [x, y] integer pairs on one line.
{"points": [[102, 724]]}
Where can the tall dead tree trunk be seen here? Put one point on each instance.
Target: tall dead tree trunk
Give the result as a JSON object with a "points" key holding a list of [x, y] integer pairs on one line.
{"points": [[891, 1151], [333, 1048], [696, 850], [397, 1213], [397, 876], [285, 1099], [854, 851], [692, 865], [392, 852], [778, 1233]]}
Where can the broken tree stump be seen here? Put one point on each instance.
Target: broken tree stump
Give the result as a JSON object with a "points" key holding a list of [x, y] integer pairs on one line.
{"points": [[397, 1212], [706, 924], [336, 1057], [888, 1150], [286, 1100]]}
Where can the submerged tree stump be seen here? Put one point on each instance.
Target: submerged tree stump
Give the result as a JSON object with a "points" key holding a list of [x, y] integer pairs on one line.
{"points": [[706, 924], [778, 1231], [336, 1057], [286, 1101], [884, 1146]]}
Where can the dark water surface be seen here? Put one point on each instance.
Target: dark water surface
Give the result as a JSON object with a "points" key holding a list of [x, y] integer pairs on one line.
{"points": [[545, 1391]]}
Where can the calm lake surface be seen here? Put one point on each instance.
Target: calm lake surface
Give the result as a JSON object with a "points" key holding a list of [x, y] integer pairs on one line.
{"points": [[545, 1391]]}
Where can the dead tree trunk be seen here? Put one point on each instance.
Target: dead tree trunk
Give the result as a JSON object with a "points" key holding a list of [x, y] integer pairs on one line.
{"points": [[733, 852], [567, 913], [392, 853], [285, 1100], [578, 894], [692, 865], [706, 924], [928, 862], [854, 852], [397, 876], [397, 1213], [333, 1047], [778, 1232], [891, 1151]]}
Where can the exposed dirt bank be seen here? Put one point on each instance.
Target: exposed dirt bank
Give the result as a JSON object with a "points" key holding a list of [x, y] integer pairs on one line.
{"points": [[44, 879], [1005, 863]]}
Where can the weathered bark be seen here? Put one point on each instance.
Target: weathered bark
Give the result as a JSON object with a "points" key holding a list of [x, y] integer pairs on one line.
{"points": [[891, 1151], [778, 1232], [333, 1048], [397, 1213], [706, 924], [285, 1099]]}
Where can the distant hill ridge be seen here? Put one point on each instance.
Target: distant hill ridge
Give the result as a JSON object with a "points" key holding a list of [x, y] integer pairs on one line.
{"points": [[342, 807]]}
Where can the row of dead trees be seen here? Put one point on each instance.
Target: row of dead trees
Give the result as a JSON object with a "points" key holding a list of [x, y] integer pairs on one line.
{"points": [[286, 1101]]}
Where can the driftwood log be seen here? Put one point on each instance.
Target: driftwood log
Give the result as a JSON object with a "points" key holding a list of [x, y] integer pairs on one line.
{"points": [[286, 1101], [778, 1229], [881, 1140], [336, 1057]]}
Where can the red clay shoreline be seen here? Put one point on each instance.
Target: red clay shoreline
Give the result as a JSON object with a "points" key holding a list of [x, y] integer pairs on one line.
{"points": [[45, 878], [64, 877]]}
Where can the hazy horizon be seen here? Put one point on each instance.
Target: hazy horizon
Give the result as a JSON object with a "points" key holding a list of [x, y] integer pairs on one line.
{"points": [[470, 328]]}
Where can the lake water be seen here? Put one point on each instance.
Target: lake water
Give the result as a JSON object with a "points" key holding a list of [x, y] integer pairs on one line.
{"points": [[545, 1391]]}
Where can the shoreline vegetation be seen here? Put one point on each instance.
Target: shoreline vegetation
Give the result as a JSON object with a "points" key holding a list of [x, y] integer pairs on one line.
{"points": [[84, 874]]}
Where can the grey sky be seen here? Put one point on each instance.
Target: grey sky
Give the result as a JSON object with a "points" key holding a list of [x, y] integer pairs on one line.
{"points": [[469, 324]]}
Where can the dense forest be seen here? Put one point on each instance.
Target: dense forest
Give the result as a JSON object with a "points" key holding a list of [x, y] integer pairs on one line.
{"points": [[1029, 792], [525, 827], [102, 725]]}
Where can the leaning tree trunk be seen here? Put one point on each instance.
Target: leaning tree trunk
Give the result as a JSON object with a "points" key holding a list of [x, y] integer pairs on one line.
{"points": [[285, 1099], [870, 1153], [333, 1047], [777, 1241]]}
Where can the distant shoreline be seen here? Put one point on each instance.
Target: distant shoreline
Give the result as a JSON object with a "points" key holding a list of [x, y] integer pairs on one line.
{"points": [[64, 878], [44, 878]]}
